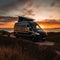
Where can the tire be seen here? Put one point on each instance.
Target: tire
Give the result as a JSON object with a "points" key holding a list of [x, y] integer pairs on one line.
{"points": [[34, 38], [43, 40], [17, 36], [8, 35]]}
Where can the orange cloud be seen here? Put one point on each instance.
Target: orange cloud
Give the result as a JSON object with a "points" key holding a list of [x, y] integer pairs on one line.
{"points": [[49, 25], [7, 25]]}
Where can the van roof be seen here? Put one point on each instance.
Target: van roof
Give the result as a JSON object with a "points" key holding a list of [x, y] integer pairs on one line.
{"points": [[24, 19]]}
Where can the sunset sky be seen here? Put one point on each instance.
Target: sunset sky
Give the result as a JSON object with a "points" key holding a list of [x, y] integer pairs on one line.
{"points": [[39, 10]]}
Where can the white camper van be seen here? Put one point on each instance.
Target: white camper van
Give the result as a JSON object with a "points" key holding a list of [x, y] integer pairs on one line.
{"points": [[30, 29]]}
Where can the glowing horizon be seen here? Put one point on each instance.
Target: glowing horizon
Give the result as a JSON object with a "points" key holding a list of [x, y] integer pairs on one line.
{"points": [[42, 24], [48, 25]]}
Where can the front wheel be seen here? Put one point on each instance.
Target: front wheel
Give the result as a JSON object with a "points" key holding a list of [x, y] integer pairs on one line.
{"points": [[43, 39], [34, 38]]}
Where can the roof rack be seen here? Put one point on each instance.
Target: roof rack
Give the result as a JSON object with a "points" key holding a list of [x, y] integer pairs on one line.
{"points": [[24, 19]]}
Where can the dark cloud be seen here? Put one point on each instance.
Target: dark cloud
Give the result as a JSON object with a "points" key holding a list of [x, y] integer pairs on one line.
{"points": [[13, 3], [8, 5], [56, 3], [53, 21], [8, 19], [1, 24], [26, 11], [53, 4]]}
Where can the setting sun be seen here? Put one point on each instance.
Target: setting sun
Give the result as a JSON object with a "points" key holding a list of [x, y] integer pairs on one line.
{"points": [[42, 26]]}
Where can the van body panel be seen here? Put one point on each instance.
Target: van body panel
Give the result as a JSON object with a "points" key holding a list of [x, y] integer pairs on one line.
{"points": [[29, 29]]}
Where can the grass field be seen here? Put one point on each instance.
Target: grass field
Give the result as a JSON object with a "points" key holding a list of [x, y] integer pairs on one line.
{"points": [[20, 49]]}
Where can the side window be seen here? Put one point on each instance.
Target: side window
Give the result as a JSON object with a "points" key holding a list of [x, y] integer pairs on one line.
{"points": [[29, 28]]}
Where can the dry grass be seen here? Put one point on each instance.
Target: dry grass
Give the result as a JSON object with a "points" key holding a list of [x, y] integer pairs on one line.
{"points": [[53, 36], [18, 49]]}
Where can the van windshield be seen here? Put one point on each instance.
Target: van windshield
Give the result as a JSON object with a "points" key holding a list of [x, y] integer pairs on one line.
{"points": [[35, 26]]}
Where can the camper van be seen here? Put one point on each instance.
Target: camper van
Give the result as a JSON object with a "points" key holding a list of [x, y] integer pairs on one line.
{"points": [[30, 29]]}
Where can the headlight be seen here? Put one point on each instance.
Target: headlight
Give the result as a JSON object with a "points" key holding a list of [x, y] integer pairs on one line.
{"points": [[37, 33]]}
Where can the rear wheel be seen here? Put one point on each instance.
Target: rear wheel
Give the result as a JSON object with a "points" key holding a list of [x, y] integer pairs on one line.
{"points": [[17, 36]]}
